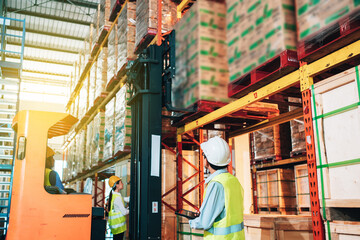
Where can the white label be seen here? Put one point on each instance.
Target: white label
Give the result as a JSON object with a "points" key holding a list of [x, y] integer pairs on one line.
{"points": [[155, 155], [155, 207]]}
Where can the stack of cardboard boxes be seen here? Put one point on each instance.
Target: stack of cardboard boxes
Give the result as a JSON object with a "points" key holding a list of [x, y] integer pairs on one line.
{"points": [[147, 20], [257, 31], [201, 67]]}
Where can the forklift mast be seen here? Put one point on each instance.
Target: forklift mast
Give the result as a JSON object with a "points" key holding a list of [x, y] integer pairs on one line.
{"points": [[148, 78]]}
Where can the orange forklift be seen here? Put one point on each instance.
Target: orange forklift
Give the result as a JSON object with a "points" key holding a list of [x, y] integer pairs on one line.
{"points": [[36, 214]]}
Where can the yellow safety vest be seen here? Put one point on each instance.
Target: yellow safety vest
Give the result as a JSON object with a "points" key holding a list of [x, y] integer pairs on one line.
{"points": [[117, 221], [47, 177], [231, 227]]}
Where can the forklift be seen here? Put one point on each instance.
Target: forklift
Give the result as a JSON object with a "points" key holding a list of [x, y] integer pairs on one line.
{"points": [[37, 214]]}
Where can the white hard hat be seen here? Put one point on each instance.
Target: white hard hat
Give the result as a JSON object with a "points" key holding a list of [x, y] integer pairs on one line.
{"points": [[217, 151]]}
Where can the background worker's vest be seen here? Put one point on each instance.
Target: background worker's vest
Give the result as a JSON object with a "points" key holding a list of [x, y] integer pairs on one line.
{"points": [[231, 227], [117, 221], [47, 177]]}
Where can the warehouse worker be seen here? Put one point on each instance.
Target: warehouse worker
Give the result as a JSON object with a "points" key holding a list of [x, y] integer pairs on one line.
{"points": [[221, 213], [116, 209], [52, 177]]}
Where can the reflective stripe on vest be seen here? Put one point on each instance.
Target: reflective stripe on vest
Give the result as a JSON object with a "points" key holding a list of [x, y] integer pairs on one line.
{"points": [[47, 177], [230, 227], [117, 221], [227, 230]]}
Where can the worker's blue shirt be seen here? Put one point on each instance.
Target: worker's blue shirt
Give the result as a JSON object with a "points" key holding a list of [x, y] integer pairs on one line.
{"points": [[213, 206], [55, 178]]}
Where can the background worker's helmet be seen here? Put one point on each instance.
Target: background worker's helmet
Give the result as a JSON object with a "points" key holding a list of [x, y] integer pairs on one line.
{"points": [[113, 180], [49, 152], [217, 151]]}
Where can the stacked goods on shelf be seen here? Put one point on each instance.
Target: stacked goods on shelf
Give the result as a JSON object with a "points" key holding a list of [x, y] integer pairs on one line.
{"points": [[109, 133], [317, 16], [188, 171], [278, 227], [97, 143], [297, 131], [302, 189], [104, 15], [89, 138], [87, 45], [101, 74], [276, 191], [126, 34], [83, 100], [92, 84], [71, 159], [258, 31], [147, 22], [78, 156], [112, 53], [336, 121], [201, 66], [168, 220], [95, 27], [122, 122], [266, 144]]}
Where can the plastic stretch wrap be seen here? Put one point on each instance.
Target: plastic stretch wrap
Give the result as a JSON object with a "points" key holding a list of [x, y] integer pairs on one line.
{"points": [[89, 138], [126, 34], [109, 129], [264, 144], [297, 130], [101, 73], [97, 143], [92, 86], [316, 17], [201, 66], [112, 54], [146, 18], [83, 100], [122, 121], [258, 31]]}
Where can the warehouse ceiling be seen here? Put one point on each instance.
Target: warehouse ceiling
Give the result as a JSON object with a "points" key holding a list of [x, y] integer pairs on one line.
{"points": [[55, 32]]}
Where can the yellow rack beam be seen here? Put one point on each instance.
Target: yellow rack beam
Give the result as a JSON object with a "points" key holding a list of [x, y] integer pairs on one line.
{"points": [[303, 75], [182, 6]]}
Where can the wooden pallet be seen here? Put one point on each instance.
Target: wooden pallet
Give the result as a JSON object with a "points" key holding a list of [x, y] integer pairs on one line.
{"points": [[278, 66], [344, 31], [146, 40]]}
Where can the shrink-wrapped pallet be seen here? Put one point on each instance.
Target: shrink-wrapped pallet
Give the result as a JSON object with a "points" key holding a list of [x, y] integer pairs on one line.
{"points": [[147, 20], [92, 81], [122, 121], [89, 138], [101, 73], [316, 16], [201, 66], [83, 100], [112, 53], [297, 131], [109, 129], [101, 20], [257, 31], [126, 34], [97, 143], [264, 144]]}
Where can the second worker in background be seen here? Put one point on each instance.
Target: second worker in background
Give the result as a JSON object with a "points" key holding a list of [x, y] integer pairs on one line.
{"points": [[221, 213]]}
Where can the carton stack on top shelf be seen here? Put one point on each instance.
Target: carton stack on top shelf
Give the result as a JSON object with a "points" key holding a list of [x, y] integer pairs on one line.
{"points": [[146, 20], [297, 131], [315, 17], [257, 31], [101, 20], [126, 34], [112, 53], [109, 133], [97, 143], [122, 121], [201, 66]]}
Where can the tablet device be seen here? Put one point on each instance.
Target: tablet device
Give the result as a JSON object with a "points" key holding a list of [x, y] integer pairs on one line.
{"points": [[187, 214]]}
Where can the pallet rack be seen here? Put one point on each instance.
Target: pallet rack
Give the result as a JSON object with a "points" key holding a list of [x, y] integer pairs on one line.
{"points": [[303, 78]]}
